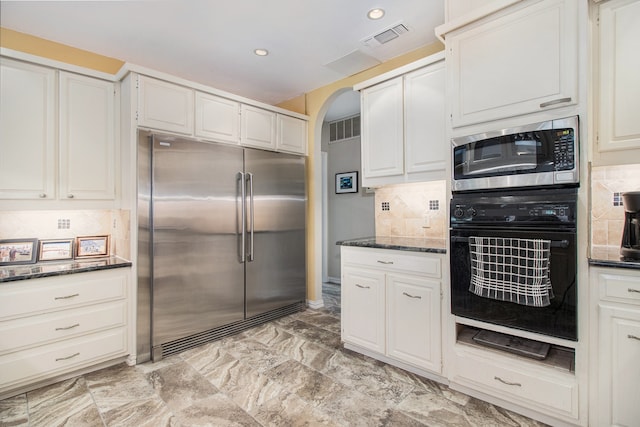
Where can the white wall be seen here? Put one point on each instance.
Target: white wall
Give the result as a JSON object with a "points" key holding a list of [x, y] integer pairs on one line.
{"points": [[350, 215]]}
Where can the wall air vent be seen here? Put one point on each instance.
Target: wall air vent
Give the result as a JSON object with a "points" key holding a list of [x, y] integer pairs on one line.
{"points": [[342, 129], [386, 36]]}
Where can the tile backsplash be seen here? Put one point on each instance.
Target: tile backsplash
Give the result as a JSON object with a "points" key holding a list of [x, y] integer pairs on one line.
{"points": [[607, 212], [411, 210], [64, 224]]}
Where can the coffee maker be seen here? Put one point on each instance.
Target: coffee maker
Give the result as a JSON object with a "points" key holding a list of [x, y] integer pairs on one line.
{"points": [[630, 248]]}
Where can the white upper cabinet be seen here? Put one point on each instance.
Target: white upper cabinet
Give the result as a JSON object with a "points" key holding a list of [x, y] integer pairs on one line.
{"points": [[403, 125], [27, 131], [258, 128], [520, 60], [619, 85], [383, 130], [426, 148], [87, 137], [165, 106], [292, 135], [217, 118]]}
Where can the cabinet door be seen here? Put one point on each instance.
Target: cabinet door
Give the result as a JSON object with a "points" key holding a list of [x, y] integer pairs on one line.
{"points": [[87, 138], [258, 127], [217, 118], [165, 106], [619, 127], [516, 63], [413, 321], [292, 135], [383, 130], [619, 370], [27, 131], [363, 308], [426, 147]]}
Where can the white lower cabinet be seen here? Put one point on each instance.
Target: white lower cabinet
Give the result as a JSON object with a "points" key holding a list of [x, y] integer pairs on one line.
{"points": [[391, 305], [617, 339], [55, 326]]}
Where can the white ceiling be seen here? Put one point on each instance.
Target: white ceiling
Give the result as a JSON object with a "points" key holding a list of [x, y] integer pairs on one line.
{"points": [[212, 41]]}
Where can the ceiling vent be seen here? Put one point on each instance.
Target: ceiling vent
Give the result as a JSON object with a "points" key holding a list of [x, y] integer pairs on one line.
{"points": [[386, 36]]}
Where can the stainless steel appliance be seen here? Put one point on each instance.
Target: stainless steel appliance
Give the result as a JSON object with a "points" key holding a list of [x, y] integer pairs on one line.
{"points": [[221, 241], [539, 154], [630, 247], [513, 259]]}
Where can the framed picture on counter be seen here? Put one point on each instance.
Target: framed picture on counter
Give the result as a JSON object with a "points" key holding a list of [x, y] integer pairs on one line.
{"points": [[18, 251], [92, 246], [346, 182], [55, 249]]}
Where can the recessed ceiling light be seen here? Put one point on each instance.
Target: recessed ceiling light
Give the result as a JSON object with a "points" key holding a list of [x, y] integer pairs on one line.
{"points": [[261, 52], [375, 13]]}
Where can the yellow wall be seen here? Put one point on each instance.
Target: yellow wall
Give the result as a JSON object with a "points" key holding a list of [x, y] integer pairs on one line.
{"points": [[317, 102], [26, 43]]}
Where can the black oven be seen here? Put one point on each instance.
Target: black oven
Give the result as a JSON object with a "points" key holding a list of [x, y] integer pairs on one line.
{"points": [[513, 259]]}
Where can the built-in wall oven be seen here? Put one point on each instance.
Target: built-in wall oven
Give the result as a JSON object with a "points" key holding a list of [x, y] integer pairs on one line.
{"points": [[513, 260], [513, 228]]}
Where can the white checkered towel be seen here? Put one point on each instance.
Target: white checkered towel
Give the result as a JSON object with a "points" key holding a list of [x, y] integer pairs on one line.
{"points": [[515, 270]]}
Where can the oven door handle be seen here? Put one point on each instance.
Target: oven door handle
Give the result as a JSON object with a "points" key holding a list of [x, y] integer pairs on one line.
{"points": [[554, 243]]}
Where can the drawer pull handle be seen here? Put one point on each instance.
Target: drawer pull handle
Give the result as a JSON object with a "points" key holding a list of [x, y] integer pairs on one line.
{"points": [[363, 287], [507, 382], [68, 357], [633, 337], [412, 296], [385, 262], [634, 290], [554, 102], [68, 327], [68, 296]]}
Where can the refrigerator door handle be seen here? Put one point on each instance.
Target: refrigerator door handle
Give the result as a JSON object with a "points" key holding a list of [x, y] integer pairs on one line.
{"points": [[243, 249], [251, 216]]}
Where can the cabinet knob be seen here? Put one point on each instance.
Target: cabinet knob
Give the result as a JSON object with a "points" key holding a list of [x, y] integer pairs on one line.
{"points": [[42, 196], [70, 196]]}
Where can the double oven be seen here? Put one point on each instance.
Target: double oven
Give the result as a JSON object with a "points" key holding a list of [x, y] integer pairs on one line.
{"points": [[513, 228]]}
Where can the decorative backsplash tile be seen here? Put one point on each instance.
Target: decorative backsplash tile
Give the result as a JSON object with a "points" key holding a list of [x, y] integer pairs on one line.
{"points": [[411, 210], [69, 224], [607, 211]]}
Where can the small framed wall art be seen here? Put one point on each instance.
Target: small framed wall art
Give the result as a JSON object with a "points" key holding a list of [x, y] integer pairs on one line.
{"points": [[92, 246], [18, 251], [55, 249], [346, 182]]}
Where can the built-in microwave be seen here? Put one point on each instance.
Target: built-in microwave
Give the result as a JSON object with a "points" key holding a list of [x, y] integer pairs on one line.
{"points": [[538, 154]]}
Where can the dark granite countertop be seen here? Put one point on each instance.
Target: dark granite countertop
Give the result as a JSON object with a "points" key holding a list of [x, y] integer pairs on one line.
{"points": [[10, 273], [609, 256], [399, 243]]}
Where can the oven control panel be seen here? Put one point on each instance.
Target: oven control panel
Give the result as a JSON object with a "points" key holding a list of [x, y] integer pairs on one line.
{"points": [[523, 207]]}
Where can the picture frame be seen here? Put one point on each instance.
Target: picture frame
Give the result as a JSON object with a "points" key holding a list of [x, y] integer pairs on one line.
{"points": [[92, 246], [55, 249], [347, 182], [18, 251]]}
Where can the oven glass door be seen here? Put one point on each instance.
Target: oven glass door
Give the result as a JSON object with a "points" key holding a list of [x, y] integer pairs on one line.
{"points": [[557, 319]]}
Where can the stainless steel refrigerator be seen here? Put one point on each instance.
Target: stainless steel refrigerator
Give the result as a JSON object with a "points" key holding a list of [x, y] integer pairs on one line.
{"points": [[221, 240]]}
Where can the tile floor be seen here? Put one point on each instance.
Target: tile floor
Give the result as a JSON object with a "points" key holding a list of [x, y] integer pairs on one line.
{"points": [[290, 372]]}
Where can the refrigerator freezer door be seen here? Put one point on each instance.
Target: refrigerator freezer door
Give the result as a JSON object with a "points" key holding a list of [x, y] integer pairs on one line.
{"points": [[198, 276], [275, 270]]}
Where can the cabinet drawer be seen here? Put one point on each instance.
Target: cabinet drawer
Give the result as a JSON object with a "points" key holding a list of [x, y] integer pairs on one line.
{"points": [[37, 296], [30, 365], [513, 384], [621, 287], [45, 328], [392, 260]]}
